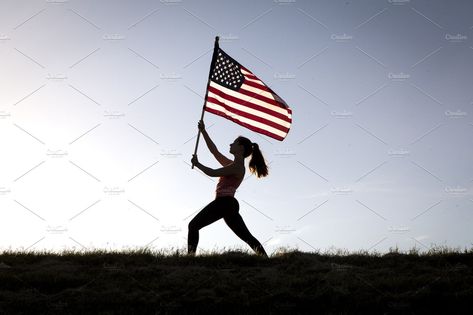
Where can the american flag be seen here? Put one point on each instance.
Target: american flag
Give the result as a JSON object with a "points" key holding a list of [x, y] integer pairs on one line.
{"points": [[237, 94]]}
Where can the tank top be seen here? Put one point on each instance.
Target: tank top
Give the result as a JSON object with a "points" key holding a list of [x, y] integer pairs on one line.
{"points": [[227, 185]]}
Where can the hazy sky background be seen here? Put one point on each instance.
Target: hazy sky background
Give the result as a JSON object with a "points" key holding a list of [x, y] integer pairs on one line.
{"points": [[99, 103]]}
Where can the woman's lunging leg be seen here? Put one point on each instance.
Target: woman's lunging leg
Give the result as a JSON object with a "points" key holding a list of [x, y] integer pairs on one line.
{"points": [[206, 216], [236, 223]]}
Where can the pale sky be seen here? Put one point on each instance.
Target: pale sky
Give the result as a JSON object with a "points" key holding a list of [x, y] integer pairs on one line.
{"points": [[99, 103]]}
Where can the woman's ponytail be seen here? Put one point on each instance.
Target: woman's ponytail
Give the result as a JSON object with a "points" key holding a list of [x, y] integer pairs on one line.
{"points": [[257, 164]]}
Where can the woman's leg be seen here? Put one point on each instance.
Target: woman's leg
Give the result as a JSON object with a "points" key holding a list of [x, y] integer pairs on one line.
{"points": [[211, 213], [235, 222]]}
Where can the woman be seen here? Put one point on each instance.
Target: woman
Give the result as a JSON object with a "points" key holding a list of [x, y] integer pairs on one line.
{"points": [[225, 205]]}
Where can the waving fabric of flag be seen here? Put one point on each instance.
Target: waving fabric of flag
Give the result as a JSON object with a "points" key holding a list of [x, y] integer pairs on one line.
{"points": [[237, 94]]}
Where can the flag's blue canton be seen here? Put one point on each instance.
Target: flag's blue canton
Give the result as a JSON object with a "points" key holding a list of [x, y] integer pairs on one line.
{"points": [[226, 72]]}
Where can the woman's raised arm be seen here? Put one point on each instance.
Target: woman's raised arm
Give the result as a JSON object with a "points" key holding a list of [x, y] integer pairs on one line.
{"points": [[222, 159]]}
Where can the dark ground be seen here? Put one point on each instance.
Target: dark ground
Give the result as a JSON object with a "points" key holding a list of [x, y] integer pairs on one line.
{"points": [[235, 282]]}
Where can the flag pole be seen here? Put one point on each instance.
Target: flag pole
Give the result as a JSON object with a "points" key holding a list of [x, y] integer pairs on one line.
{"points": [[214, 56]]}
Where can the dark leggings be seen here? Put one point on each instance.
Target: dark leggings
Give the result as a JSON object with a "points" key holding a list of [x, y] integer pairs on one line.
{"points": [[225, 207]]}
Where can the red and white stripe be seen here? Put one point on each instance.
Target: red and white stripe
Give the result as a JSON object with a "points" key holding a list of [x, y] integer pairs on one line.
{"points": [[254, 106]]}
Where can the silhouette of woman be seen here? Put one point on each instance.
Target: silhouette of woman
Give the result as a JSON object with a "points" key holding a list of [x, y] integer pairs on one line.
{"points": [[225, 204]]}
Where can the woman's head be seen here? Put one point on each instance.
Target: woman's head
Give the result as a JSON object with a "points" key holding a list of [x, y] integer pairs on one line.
{"points": [[246, 148]]}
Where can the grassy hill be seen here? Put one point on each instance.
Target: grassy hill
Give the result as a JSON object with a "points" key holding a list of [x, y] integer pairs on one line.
{"points": [[236, 282]]}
